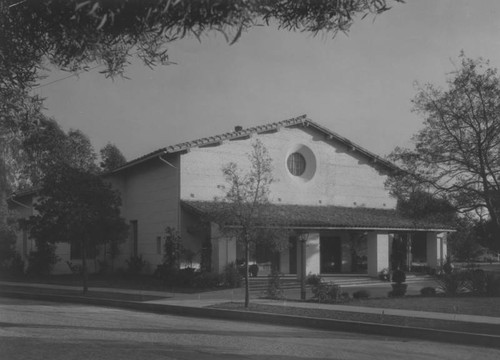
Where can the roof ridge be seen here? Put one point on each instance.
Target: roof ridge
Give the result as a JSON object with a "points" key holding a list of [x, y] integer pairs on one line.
{"points": [[212, 140]]}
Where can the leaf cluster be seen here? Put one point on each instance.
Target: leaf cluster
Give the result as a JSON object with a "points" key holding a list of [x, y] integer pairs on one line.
{"points": [[74, 33]]}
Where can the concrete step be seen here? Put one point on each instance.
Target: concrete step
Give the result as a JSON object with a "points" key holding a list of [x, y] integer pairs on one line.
{"points": [[260, 283]]}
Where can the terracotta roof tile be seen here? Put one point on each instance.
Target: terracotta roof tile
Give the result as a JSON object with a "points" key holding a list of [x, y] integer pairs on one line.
{"points": [[331, 217], [297, 121]]}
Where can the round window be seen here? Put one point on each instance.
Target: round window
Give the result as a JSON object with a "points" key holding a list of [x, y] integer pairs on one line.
{"points": [[296, 164]]}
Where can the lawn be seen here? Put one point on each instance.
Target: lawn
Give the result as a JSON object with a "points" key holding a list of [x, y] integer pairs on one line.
{"points": [[470, 305], [113, 281], [448, 325]]}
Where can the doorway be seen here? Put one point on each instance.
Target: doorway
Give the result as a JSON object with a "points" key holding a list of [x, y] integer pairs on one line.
{"points": [[330, 248]]}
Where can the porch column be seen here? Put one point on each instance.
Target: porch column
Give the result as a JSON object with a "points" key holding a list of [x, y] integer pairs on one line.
{"points": [[436, 249], [378, 252], [312, 258]]}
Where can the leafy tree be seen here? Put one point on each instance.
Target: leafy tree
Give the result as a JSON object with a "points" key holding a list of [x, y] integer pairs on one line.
{"points": [[79, 208], [46, 146], [42, 147], [244, 213], [422, 205], [457, 153], [111, 157], [463, 244], [80, 153], [76, 34]]}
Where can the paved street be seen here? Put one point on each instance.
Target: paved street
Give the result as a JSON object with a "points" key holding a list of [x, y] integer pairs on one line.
{"points": [[43, 330]]}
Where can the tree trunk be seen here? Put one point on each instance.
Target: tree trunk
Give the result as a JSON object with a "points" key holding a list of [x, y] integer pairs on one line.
{"points": [[84, 266], [247, 288]]}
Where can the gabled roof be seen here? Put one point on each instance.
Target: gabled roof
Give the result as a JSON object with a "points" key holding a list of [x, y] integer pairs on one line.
{"points": [[329, 217], [299, 121]]}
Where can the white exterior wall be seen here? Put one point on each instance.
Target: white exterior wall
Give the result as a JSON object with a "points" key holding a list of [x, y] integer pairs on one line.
{"points": [[378, 252], [312, 255], [436, 249], [341, 177], [150, 195]]}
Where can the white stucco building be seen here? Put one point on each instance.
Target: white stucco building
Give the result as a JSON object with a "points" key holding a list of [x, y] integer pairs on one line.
{"points": [[329, 189]]}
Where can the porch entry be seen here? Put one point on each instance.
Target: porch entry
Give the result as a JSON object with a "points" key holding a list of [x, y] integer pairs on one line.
{"points": [[330, 254]]}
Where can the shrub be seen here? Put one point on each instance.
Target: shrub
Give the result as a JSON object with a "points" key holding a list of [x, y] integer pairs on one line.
{"points": [[477, 281], [204, 280], [398, 276], [448, 266], [492, 284], [384, 275], [75, 269], [398, 289], [428, 291], [135, 265], [274, 290], [345, 296], [314, 280], [326, 293], [231, 276], [361, 294], [183, 277], [453, 283]]}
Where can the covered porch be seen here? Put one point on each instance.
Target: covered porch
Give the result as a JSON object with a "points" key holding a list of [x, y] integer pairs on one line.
{"points": [[335, 240], [354, 252]]}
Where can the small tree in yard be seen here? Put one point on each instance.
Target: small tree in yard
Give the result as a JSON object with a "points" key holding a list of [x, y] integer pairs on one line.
{"points": [[173, 249], [77, 207], [243, 212]]}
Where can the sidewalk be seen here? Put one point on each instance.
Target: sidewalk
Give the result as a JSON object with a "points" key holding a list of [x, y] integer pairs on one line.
{"points": [[205, 299]]}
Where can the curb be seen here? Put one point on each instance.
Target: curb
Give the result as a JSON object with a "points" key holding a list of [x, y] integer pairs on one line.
{"points": [[463, 338]]}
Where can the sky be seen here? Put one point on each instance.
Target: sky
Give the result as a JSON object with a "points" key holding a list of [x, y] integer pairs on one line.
{"points": [[359, 85]]}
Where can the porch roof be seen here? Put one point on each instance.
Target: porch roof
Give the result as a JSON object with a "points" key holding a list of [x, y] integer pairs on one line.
{"points": [[330, 217]]}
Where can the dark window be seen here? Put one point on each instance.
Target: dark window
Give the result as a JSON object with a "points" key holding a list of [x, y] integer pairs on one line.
{"points": [[296, 164]]}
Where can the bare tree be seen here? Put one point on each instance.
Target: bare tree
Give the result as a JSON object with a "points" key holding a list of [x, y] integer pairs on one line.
{"points": [[457, 154], [244, 212]]}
